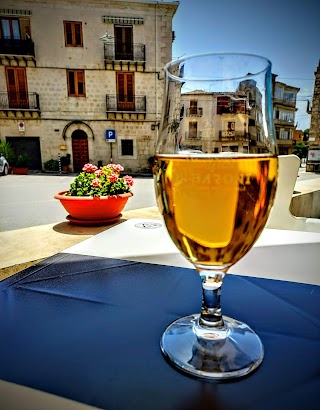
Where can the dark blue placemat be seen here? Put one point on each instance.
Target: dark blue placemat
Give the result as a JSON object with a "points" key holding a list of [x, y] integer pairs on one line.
{"points": [[88, 329]]}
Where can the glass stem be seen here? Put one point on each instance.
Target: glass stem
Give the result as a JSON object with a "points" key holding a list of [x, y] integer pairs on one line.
{"points": [[211, 315]]}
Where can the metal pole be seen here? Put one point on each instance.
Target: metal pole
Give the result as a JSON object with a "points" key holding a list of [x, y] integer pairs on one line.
{"points": [[59, 160], [111, 152]]}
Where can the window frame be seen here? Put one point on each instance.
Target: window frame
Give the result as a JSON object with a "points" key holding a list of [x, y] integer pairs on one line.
{"points": [[73, 25], [76, 83], [129, 143]]}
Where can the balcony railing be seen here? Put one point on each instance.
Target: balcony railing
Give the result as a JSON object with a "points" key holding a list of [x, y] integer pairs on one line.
{"points": [[133, 105], [125, 52], [233, 136], [19, 101], [10, 46], [194, 112], [193, 136]]}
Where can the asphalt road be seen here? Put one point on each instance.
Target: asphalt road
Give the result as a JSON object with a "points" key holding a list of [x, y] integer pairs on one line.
{"points": [[27, 200]]}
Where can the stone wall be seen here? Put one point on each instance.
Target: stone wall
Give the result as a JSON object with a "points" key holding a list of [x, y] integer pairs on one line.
{"points": [[48, 78]]}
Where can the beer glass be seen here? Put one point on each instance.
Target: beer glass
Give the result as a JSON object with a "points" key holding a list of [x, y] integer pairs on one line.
{"points": [[215, 180]]}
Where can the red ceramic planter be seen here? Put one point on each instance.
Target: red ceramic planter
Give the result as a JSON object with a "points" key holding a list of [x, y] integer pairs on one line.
{"points": [[95, 209]]}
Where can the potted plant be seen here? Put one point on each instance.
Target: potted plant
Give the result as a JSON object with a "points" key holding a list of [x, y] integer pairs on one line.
{"points": [[22, 163], [97, 195], [52, 165], [7, 151]]}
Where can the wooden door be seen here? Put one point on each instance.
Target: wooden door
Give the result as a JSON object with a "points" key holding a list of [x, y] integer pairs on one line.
{"points": [[17, 87], [80, 150], [123, 42], [125, 92]]}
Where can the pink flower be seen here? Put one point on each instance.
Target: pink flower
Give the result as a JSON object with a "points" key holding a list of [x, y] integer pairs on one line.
{"points": [[113, 177], [98, 172], [89, 168], [128, 180], [116, 167], [95, 183]]}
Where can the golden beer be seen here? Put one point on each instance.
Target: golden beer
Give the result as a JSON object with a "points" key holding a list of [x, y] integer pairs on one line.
{"points": [[215, 207]]}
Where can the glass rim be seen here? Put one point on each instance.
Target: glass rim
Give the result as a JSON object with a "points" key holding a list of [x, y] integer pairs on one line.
{"points": [[172, 63]]}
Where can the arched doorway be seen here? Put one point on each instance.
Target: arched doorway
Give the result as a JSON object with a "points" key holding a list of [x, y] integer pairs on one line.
{"points": [[80, 150]]}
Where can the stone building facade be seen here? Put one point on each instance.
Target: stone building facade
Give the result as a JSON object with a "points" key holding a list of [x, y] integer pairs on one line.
{"points": [[234, 120], [284, 109], [314, 110], [66, 85]]}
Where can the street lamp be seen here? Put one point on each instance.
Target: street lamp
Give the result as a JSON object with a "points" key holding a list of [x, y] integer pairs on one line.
{"points": [[105, 38]]}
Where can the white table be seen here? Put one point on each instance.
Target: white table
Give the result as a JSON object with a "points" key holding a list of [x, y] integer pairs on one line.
{"points": [[278, 254]]}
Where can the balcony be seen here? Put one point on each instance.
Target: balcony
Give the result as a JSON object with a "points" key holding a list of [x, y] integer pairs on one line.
{"points": [[13, 51], [20, 104], [233, 136], [193, 136], [124, 56], [287, 122], [194, 112], [126, 107], [284, 102]]}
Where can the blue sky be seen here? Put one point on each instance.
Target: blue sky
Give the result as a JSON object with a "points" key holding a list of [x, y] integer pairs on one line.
{"points": [[285, 31]]}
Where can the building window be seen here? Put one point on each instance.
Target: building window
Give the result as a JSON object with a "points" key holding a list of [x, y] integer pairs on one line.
{"points": [[15, 28], [278, 93], [193, 129], [285, 134], [73, 33], [123, 36], [127, 147], [231, 125], [193, 107], [125, 92], [289, 96], [76, 86]]}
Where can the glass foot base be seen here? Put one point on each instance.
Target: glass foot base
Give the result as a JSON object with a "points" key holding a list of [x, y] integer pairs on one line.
{"points": [[234, 351]]}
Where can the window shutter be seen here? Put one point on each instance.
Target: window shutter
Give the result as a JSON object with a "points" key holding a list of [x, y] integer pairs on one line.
{"points": [[77, 32], [121, 87], [25, 28], [11, 80], [68, 33], [130, 92], [71, 83], [80, 80]]}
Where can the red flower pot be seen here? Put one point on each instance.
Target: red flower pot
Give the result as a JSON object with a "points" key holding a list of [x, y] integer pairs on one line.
{"points": [[90, 211]]}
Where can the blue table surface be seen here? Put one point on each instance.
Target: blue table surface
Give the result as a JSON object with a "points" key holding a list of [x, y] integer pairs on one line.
{"points": [[88, 329]]}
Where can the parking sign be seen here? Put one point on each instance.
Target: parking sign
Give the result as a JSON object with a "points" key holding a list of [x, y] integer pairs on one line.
{"points": [[111, 135]]}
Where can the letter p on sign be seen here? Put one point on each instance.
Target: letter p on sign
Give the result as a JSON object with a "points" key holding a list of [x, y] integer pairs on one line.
{"points": [[110, 135]]}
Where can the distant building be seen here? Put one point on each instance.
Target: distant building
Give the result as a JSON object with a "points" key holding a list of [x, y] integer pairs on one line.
{"points": [[314, 110], [297, 136], [223, 119], [66, 85], [233, 121], [284, 108]]}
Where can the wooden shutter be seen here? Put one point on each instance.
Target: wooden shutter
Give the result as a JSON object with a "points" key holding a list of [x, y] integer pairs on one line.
{"points": [[25, 28], [68, 33], [125, 91], [76, 85], [80, 82], [78, 34], [17, 87]]}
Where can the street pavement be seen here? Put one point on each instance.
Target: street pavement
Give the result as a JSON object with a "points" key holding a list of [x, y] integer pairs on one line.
{"points": [[25, 246]]}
